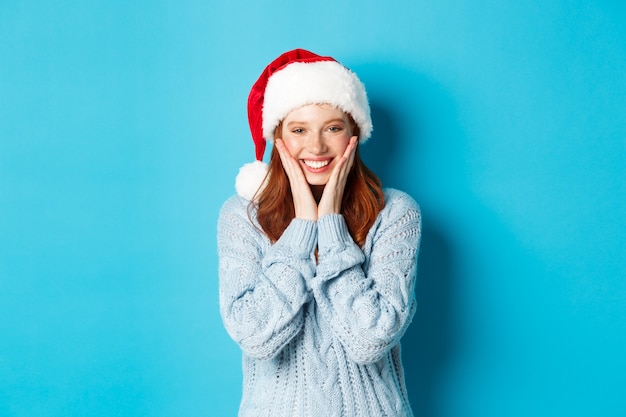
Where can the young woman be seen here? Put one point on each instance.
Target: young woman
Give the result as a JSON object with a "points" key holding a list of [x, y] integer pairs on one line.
{"points": [[317, 262]]}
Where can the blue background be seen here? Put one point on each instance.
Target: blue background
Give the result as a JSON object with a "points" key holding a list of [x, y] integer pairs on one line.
{"points": [[123, 125]]}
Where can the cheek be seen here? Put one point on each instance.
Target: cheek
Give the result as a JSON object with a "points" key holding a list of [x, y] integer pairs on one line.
{"points": [[291, 145], [341, 145]]}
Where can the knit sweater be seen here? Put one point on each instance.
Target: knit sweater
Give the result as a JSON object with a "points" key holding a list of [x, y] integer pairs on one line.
{"points": [[320, 337]]}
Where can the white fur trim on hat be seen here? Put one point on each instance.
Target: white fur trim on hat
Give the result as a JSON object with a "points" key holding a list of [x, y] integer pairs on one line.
{"points": [[251, 179], [320, 82]]}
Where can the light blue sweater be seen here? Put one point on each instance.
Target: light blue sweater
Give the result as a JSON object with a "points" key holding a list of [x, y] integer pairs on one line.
{"points": [[320, 339]]}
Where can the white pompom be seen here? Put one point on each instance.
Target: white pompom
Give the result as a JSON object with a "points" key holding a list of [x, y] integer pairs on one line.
{"points": [[251, 178]]}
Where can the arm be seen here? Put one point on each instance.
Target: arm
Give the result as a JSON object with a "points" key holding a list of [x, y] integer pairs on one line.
{"points": [[262, 286], [369, 304]]}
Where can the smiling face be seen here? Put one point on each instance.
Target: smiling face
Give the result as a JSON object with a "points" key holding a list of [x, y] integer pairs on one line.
{"points": [[316, 135]]}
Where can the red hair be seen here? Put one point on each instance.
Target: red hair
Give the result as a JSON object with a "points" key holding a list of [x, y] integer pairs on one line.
{"points": [[362, 200]]}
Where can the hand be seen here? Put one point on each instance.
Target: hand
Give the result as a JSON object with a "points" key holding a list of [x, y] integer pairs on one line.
{"points": [[303, 201], [333, 192]]}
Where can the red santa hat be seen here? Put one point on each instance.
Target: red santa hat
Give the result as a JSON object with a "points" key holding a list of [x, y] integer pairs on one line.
{"points": [[295, 79]]}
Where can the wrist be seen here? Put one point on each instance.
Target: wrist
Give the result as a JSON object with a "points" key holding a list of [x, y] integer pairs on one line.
{"points": [[329, 207], [306, 213]]}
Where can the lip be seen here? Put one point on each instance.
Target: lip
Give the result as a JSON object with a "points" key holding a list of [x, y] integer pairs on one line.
{"points": [[317, 170]]}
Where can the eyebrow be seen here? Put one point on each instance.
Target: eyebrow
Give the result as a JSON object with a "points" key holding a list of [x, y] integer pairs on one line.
{"points": [[331, 121]]}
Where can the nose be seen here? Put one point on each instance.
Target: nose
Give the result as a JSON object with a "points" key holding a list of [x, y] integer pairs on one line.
{"points": [[317, 143]]}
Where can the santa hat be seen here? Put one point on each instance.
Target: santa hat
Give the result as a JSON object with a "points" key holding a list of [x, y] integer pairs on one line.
{"points": [[295, 79]]}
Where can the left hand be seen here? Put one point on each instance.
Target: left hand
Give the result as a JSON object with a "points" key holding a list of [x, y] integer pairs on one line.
{"points": [[333, 191]]}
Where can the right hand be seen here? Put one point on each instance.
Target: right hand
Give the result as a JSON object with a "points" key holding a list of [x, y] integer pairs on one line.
{"points": [[303, 200]]}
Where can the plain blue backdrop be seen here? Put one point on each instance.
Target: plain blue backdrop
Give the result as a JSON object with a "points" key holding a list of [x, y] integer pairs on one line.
{"points": [[123, 125]]}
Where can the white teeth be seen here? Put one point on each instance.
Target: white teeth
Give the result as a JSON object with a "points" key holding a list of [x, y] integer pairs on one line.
{"points": [[317, 164]]}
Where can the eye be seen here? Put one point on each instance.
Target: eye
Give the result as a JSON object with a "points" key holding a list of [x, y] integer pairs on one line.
{"points": [[297, 130], [335, 129]]}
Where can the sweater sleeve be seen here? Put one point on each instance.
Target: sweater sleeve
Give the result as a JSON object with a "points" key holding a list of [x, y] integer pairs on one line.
{"points": [[263, 287], [369, 303]]}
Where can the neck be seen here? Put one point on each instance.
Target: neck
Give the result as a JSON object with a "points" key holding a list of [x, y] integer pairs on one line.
{"points": [[317, 191]]}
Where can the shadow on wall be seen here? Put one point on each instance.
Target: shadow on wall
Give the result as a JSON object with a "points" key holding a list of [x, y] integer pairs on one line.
{"points": [[427, 345]]}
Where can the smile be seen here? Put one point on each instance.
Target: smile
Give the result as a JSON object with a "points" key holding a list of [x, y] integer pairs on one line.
{"points": [[316, 164]]}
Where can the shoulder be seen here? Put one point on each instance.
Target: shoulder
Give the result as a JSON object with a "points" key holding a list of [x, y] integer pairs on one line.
{"points": [[400, 211], [237, 223], [399, 221], [235, 203], [396, 200], [236, 208]]}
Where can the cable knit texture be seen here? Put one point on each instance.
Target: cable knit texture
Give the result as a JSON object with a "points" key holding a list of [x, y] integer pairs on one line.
{"points": [[320, 338]]}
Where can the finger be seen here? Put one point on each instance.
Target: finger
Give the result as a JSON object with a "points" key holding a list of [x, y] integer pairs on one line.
{"points": [[346, 161], [351, 150], [351, 147], [334, 190], [291, 166], [282, 150], [304, 203]]}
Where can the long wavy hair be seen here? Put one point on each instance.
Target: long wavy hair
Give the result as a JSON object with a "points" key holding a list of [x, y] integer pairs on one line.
{"points": [[362, 200]]}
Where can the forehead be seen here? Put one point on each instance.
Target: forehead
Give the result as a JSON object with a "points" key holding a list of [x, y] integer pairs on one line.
{"points": [[315, 112]]}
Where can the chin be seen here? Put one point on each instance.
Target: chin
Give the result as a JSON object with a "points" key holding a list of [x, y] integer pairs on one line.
{"points": [[318, 183]]}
